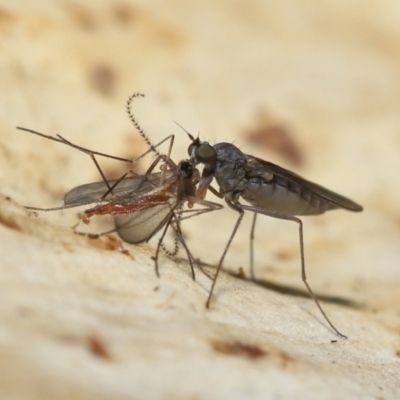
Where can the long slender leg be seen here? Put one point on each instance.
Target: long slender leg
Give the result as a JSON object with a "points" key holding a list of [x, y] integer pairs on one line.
{"points": [[253, 227], [182, 241], [175, 224], [155, 257], [61, 139], [274, 214], [111, 188], [192, 212], [239, 220], [151, 168], [92, 154]]}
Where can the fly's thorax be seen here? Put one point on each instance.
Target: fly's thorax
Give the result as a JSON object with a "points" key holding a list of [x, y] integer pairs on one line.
{"points": [[229, 152], [221, 161], [230, 175], [230, 169]]}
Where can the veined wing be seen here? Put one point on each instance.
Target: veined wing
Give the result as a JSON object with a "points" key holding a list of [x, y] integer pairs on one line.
{"points": [[92, 192], [140, 226], [315, 189]]}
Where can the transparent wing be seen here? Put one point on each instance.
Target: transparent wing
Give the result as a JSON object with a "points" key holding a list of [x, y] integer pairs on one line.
{"points": [[92, 192], [140, 226], [315, 189]]}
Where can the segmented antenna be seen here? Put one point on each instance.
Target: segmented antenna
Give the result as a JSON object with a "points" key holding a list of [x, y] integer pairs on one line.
{"points": [[168, 252], [175, 225], [190, 136], [136, 123]]}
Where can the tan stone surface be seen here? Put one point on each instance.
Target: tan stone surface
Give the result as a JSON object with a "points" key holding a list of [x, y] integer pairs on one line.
{"points": [[81, 321]]}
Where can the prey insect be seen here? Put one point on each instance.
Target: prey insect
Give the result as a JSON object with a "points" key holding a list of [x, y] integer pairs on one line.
{"points": [[141, 204], [271, 190]]}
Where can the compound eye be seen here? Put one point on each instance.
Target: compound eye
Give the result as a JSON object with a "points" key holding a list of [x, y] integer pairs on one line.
{"points": [[191, 148], [205, 154]]}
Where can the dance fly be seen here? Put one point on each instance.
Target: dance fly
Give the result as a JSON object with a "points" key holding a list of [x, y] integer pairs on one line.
{"points": [[271, 190]]}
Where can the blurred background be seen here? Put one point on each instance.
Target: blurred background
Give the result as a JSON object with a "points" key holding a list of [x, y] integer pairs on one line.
{"points": [[313, 86]]}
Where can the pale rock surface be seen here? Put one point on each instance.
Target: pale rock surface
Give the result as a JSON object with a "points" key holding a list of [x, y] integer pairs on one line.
{"points": [[79, 319]]}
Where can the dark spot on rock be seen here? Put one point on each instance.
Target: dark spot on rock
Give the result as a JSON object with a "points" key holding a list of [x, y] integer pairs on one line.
{"points": [[276, 136], [97, 347], [238, 348], [103, 79]]}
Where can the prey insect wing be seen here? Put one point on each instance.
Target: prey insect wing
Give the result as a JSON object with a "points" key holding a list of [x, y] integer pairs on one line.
{"points": [[142, 226], [92, 192]]}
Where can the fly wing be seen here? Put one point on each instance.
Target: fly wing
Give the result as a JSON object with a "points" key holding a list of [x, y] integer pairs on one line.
{"points": [[328, 195], [92, 192], [140, 226]]}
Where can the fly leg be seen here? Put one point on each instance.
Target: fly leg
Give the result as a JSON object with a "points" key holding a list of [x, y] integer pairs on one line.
{"points": [[92, 155], [175, 226], [253, 227], [159, 246], [179, 235], [278, 215], [237, 207]]}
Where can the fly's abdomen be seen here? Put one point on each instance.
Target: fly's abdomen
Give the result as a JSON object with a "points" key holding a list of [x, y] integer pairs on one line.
{"points": [[285, 197]]}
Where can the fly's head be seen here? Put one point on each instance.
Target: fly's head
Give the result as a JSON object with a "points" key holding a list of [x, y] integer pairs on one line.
{"points": [[202, 153]]}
